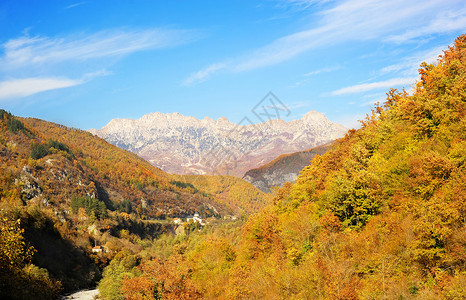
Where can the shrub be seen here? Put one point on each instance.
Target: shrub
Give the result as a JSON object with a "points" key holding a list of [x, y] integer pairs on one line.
{"points": [[15, 125], [3, 113], [59, 146], [38, 151], [91, 205]]}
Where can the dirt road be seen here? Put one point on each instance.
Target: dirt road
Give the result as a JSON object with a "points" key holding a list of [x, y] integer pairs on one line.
{"points": [[82, 295]]}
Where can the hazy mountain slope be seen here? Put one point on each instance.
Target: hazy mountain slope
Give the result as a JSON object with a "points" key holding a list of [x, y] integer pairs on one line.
{"points": [[186, 145], [240, 196], [284, 168]]}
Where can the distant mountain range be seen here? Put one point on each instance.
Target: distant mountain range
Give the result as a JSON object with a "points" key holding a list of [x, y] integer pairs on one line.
{"points": [[186, 145], [284, 168]]}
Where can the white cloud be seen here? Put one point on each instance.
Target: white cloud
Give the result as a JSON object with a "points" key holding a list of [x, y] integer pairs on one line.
{"points": [[323, 70], [75, 4], [348, 21], [296, 105], [312, 73], [357, 20], [99, 73], [18, 88], [301, 4], [41, 57], [282, 49], [445, 21], [203, 74], [28, 51], [373, 101], [410, 65], [375, 85]]}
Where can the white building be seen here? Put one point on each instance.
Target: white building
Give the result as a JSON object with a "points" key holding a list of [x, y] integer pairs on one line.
{"points": [[98, 249], [196, 219]]}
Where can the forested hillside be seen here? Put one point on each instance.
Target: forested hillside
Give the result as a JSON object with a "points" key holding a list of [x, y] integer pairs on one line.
{"points": [[63, 191], [120, 175], [379, 216]]}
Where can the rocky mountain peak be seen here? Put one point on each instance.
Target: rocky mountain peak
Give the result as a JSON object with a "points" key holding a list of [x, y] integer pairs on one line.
{"points": [[186, 145], [313, 116]]}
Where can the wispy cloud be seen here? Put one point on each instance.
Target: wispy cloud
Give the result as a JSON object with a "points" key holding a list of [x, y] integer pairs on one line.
{"points": [[296, 105], [99, 73], [375, 85], [75, 4], [50, 61], [410, 65], [282, 50], [445, 21], [323, 70], [372, 99], [356, 20], [203, 74], [27, 51], [301, 4], [19, 88], [307, 76]]}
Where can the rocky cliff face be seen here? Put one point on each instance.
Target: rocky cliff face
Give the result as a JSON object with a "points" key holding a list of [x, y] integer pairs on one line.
{"points": [[186, 145], [284, 168]]}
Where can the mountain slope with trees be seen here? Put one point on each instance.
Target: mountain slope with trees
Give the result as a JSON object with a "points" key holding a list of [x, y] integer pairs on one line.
{"points": [[282, 169], [241, 197], [63, 191]]}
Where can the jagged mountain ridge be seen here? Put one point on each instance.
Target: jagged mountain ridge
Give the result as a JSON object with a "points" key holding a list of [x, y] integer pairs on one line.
{"points": [[186, 145]]}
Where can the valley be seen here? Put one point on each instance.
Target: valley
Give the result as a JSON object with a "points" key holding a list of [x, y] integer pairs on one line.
{"points": [[165, 202]]}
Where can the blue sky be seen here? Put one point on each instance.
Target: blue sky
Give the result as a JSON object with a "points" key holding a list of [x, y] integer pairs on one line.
{"points": [[83, 63]]}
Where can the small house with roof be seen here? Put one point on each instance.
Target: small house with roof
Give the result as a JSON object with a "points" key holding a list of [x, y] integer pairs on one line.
{"points": [[98, 249]]}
